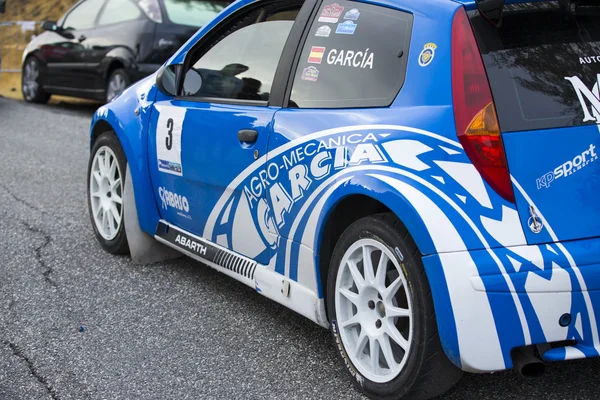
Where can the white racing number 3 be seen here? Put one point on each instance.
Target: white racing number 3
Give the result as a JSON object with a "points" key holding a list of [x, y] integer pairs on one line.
{"points": [[168, 140]]}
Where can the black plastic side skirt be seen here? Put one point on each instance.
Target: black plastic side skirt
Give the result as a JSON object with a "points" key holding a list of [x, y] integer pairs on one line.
{"points": [[206, 250]]}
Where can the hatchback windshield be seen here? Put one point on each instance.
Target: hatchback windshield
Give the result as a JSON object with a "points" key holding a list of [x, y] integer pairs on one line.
{"points": [[193, 12]]}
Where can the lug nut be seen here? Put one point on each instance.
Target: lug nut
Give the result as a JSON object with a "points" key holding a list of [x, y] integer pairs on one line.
{"points": [[378, 323], [371, 304]]}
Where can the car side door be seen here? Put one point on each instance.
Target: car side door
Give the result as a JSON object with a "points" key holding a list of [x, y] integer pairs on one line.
{"points": [[67, 60], [207, 138]]}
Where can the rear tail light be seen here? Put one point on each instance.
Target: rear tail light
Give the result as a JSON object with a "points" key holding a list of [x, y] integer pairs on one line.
{"points": [[152, 10], [474, 111]]}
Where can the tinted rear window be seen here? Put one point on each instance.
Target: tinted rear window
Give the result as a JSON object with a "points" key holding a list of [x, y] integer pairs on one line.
{"points": [[193, 12], [355, 56], [543, 66]]}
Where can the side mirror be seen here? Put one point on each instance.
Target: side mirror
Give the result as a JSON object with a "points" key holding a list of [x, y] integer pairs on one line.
{"points": [[167, 81], [50, 26]]}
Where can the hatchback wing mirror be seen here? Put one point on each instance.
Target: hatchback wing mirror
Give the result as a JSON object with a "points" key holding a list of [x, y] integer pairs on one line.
{"points": [[167, 79], [49, 26]]}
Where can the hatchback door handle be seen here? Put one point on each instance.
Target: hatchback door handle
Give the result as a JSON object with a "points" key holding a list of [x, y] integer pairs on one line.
{"points": [[248, 136]]}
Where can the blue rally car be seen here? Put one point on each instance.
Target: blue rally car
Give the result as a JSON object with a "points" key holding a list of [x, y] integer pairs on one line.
{"points": [[420, 177]]}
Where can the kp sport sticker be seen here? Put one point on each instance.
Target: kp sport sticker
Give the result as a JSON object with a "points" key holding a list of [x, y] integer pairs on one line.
{"points": [[427, 54]]}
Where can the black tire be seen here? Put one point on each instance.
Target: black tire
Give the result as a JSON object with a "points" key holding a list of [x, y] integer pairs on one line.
{"points": [[427, 372], [117, 245], [118, 74], [33, 93]]}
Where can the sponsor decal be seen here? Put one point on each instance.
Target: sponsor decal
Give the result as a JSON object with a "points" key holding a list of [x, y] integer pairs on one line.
{"points": [[353, 14], [351, 58], [331, 14], [169, 167], [173, 200], [346, 28], [285, 179], [310, 74], [191, 244], [568, 168], [427, 54], [323, 31], [168, 139], [589, 60], [592, 96], [316, 55]]}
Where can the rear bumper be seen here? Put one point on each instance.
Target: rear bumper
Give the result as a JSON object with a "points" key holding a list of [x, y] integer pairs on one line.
{"points": [[491, 301]]}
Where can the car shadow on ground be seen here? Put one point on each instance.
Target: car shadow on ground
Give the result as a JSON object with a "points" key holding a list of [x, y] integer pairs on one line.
{"points": [[569, 379]]}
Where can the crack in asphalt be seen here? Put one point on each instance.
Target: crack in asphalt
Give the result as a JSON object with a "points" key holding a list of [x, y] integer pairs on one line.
{"points": [[39, 258], [20, 200], [18, 352]]}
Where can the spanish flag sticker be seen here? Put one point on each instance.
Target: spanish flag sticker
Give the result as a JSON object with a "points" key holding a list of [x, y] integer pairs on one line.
{"points": [[316, 55]]}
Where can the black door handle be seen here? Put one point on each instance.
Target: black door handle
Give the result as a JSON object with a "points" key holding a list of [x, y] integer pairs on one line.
{"points": [[248, 136], [82, 38]]}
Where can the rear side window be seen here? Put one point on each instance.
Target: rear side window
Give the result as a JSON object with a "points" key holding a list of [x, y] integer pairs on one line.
{"points": [[117, 11], [83, 16], [543, 66], [193, 12], [355, 56]]}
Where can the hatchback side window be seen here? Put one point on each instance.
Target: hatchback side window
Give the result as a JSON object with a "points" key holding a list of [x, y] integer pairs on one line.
{"points": [[241, 64], [355, 56], [83, 16], [117, 11]]}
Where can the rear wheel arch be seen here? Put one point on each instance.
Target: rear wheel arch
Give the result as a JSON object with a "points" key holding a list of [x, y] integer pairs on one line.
{"points": [[343, 214]]}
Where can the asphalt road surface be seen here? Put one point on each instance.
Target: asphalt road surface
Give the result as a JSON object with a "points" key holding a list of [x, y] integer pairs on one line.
{"points": [[175, 330]]}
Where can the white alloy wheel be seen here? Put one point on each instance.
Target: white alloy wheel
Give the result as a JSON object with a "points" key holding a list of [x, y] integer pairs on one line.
{"points": [[116, 85], [31, 74], [106, 193], [374, 310]]}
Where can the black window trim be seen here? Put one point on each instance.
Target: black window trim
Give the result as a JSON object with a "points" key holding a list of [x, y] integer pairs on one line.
{"points": [[302, 43], [285, 62]]}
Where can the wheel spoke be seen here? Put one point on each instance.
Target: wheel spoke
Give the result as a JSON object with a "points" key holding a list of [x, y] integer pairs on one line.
{"points": [[112, 170], [97, 177], [96, 194], [362, 341], [367, 264], [388, 354], [392, 289], [107, 158], [115, 213], [356, 276], [355, 320], [105, 219], [381, 271], [115, 184], [352, 297], [396, 336], [374, 350], [116, 199], [397, 312]]}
